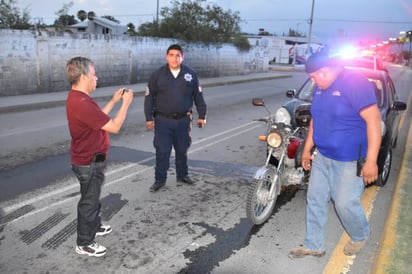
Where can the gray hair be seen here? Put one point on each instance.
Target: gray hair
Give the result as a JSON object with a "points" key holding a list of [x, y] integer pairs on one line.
{"points": [[77, 66]]}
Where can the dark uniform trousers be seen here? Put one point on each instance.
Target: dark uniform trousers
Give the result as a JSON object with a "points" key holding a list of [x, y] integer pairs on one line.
{"points": [[171, 133]]}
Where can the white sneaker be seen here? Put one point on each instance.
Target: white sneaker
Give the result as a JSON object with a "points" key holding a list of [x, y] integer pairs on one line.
{"points": [[103, 230], [93, 249]]}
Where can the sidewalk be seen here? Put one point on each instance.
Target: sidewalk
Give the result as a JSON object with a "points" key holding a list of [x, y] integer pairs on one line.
{"points": [[394, 254], [46, 100]]}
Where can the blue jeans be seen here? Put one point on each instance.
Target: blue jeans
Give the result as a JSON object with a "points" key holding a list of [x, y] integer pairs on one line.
{"points": [[91, 178], [336, 181]]}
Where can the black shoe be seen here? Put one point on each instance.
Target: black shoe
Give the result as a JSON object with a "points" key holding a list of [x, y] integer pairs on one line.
{"points": [[156, 186], [186, 180]]}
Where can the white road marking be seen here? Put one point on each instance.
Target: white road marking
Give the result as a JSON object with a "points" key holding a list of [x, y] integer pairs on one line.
{"points": [[236, 130]]}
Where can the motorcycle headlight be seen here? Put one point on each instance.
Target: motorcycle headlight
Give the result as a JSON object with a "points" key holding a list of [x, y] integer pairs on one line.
{"points": [[274, 139], [282, 116]]}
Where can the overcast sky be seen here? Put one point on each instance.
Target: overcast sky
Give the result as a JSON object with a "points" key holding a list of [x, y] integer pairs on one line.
{"points": [[375, 19]]}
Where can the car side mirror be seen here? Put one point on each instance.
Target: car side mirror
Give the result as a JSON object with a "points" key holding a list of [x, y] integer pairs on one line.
{"points": [[398, 105]]}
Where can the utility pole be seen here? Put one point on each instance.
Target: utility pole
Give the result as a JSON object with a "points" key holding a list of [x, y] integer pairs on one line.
{"points": [[157, 13], [409, 35], [310, 25]]}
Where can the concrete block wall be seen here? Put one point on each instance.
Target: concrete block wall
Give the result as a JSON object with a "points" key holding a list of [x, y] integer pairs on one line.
{"points": [[33, 62]]}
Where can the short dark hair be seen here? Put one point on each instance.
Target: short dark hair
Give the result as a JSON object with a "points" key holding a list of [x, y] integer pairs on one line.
{"points": [[176, 47]]}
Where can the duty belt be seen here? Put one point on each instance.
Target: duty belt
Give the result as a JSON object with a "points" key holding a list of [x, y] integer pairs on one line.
{"points": [[175, 116]]}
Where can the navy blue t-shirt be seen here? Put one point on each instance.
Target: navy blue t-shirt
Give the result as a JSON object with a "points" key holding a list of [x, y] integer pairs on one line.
{"points": [[339, 132]]}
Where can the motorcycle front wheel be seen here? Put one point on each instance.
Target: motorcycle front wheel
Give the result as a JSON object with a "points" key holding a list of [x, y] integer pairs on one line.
{"points": [[259, 205]]}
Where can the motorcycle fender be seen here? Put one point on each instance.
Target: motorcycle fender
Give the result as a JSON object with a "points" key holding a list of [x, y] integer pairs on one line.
{"points": [[260, 173]]}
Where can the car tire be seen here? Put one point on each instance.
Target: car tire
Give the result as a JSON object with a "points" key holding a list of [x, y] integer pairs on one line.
{"points": [[385, 170]]}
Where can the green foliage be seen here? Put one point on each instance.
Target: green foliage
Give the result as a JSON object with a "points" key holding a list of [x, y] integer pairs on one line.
{"points": [[13, 18], [64, 19], [241, 42], [131, 29], [196, 21], [82, 15], [91, 15], [295, 33], [111, 18], [149, 29]]}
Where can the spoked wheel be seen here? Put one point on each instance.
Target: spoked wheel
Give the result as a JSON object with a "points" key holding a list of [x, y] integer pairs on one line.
{"points": [[259, 205]]}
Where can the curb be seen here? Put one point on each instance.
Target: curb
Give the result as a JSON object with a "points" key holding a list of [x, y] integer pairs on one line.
{"points": [[383, 259], [62, 101]]}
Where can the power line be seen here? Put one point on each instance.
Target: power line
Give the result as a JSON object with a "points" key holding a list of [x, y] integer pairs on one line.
{"points": [[364, 21], [331, 20]]}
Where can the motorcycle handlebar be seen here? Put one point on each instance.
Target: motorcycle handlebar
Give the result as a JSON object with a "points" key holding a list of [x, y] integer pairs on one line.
{"points": [[262, 120], [270, 123]]}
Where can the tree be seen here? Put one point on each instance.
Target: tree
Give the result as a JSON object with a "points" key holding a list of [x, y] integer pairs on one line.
{"points": [[13, 18], [131, 29], [295, 33], [111, 18], [64, 18], [91, 15], [149, 29], [197, 21], [82, 15]]}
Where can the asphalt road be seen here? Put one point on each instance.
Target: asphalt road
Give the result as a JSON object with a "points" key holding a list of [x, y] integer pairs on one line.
{"points": [[181, 229]]}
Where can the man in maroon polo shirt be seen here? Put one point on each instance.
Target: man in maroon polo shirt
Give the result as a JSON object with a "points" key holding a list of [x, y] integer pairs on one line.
{"points": [[89, 127]]}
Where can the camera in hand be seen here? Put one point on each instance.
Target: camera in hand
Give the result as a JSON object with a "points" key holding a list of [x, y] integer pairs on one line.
{"points": [[124, 90]]}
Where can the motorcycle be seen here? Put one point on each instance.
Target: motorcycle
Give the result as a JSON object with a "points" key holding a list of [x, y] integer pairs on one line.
{"points": [[282, 167]]}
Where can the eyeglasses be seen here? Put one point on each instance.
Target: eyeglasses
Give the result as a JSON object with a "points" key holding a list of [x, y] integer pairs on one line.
{"points": [[92, 76]]}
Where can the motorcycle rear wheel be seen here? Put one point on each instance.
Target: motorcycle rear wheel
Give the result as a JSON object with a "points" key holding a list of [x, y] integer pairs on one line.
{"points": [[259, 206]]}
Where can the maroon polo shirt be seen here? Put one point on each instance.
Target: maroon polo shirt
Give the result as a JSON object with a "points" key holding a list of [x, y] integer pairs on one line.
{"points": [[85, 119]]}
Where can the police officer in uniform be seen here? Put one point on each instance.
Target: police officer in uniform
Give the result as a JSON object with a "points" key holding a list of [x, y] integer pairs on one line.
{"points": [[168, 103]]}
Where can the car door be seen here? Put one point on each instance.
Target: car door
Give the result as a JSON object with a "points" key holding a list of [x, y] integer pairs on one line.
{"points": [[393, 115]]}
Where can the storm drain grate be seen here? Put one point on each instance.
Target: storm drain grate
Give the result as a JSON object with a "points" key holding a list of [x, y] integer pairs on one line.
{"points": [[30, 236]]}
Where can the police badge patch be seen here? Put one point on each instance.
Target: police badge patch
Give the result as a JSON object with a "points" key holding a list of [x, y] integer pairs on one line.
{"points": [[188, 77]]}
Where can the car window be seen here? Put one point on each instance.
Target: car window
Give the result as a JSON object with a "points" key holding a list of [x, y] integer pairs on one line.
{"points": [[306, 92], [366, 61], [391, 92], [378, 86]]}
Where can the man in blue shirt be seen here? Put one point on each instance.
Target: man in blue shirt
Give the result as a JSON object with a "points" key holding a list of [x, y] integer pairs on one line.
{"points": [[345, 125], [168, 103]]}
